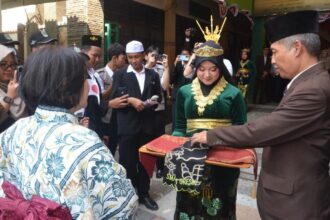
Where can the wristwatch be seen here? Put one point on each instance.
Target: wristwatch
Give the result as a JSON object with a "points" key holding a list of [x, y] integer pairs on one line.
{"points": [[8, 100]]}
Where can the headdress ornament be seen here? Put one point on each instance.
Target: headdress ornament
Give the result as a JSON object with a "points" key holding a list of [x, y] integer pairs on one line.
{"points": [[210, 35]]}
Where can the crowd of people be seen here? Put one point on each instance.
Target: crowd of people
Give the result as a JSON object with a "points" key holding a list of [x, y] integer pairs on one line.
{"points": [[63, 119]]}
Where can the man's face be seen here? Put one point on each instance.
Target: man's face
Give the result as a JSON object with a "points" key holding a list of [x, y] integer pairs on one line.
{"points": [[136, 60], [120, 61], [94, 55], [284, 60]]}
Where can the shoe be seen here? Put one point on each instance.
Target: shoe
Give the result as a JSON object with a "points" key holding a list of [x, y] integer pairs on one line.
{"points": [[159, 174], [148, 202]]}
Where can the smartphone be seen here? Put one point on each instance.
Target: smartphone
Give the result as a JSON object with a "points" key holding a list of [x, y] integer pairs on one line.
{"points": [[19, 72], [184, 57], [122, 91]]}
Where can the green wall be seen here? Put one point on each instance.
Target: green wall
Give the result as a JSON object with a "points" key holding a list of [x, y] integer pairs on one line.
{"points": [[242, 4]]}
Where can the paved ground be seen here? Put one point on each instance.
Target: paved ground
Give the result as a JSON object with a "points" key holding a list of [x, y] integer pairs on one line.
{"points": [[246, 203]]}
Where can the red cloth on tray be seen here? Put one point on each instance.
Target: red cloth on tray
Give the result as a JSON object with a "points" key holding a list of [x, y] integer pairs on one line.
{"points": [[225, 155]]}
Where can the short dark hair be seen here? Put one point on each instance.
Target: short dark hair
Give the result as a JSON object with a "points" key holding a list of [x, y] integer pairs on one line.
{"points": [[115, 50], [53, 76], [151, 49]]}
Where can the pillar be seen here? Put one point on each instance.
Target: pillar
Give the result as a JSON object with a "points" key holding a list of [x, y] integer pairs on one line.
{"points": [[169, 32]]}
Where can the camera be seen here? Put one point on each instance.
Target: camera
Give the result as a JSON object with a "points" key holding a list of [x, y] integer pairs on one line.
{"points": [[161, 57]]}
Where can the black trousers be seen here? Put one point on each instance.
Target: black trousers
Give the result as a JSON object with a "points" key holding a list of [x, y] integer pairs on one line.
{"points": [[110, 130], [129, 159]]}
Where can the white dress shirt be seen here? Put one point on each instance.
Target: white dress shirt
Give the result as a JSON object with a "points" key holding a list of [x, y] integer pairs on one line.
{"points": [[140, 76]]}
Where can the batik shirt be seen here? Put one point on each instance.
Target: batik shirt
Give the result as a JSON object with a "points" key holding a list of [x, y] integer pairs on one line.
{"points": [[49, 154]]}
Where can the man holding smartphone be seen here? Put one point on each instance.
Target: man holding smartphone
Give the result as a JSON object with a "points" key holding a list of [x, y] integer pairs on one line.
{"points": [[136, 124]]}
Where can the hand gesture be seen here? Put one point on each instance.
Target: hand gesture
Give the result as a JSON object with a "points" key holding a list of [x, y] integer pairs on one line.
{"points": [[119, 102], [12, 87]]}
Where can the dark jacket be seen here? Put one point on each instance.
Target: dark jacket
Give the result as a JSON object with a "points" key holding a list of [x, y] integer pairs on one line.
{"points": [[294, 181], [129, 120]]}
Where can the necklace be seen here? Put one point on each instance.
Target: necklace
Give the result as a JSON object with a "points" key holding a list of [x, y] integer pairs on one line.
{"points": [[203, 101]]}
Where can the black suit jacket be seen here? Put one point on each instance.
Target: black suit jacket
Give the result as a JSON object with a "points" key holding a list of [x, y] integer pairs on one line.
{"points": [[95, 112], [129, 120], [262, 66]]}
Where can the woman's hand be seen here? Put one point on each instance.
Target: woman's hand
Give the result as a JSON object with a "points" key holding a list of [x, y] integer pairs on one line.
{"points": [[12, 87]]}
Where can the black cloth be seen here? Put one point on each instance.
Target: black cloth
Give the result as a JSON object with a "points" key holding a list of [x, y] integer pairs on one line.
{"points": [[184, 167]]}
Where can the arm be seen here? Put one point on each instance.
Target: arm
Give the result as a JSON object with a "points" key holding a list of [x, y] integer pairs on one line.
{"points": [[166, 75], [180, 127], [189, 70], [292, 120], [111, 194]]}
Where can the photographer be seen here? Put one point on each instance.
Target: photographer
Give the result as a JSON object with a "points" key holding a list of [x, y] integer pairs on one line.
{"points": [[159, 63], [11, 106]]}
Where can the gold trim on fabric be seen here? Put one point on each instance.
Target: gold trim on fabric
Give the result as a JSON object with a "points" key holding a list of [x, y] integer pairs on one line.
{"points": [[208, 51], [203, 101], [206, 123]]}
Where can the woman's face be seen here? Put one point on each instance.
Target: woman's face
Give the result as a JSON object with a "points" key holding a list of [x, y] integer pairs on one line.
{"points": [[7, 68], [244, 55], [208, 72]]}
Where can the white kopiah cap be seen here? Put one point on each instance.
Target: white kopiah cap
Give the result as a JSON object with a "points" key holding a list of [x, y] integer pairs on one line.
{"points": [[134, 47]]}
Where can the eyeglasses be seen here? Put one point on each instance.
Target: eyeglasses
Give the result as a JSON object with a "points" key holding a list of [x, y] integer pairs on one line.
{"points": [[5, 66]]}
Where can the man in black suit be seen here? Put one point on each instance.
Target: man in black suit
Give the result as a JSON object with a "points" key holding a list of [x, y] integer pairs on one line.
{"points": [[263, 65], [96, 106], [135, 121]]}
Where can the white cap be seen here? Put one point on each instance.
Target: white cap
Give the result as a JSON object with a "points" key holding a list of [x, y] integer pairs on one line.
{"points": [[134, 47], [4, 51]]}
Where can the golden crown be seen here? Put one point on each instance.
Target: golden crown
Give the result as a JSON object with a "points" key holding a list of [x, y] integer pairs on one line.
{"points": [[246, 50], [210, 35], [213, 35]]}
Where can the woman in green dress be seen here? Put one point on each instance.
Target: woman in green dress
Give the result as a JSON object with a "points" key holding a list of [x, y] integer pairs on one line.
{"points": [[245, 73], [211, 100]]}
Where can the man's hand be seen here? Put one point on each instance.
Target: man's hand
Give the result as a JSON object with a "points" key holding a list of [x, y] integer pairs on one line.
{"points": [[199, 138], [136, 103], [119, 102]]}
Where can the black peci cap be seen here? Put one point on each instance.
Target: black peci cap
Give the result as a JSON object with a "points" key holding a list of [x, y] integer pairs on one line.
{"points": [[5, 39], [91, 40], [293, 23], [40, 37]]}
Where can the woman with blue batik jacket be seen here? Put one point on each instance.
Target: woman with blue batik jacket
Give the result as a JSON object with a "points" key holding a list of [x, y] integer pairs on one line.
{"points": [[50, 155]]}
